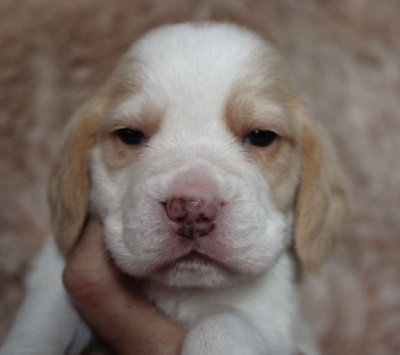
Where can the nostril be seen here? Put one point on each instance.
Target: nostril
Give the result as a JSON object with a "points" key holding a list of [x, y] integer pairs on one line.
{"points": [[177, 209], [209, 211], [192, 216]]}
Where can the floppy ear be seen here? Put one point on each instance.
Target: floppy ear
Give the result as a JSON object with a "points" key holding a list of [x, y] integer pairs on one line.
{"points": [[69, 180], [321, 204]]}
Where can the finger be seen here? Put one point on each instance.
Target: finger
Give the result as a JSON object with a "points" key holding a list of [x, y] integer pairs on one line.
{"points": [[112, 304]]}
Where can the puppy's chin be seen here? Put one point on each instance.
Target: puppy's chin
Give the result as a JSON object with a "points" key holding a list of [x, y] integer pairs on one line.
{"points": [[194, 271]]}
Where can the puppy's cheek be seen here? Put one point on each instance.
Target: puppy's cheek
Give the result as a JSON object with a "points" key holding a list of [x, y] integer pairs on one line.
{"points": [[257, 233], [144, 238], [113, 228], [251, 251], [133, 253]]}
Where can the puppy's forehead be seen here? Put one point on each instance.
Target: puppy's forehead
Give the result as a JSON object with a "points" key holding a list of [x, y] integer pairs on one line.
{"points": [[190, 71]]}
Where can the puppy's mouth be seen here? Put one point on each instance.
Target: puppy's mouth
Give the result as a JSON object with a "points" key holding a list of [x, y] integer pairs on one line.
{"points": [[191, 260], [194, 257]]}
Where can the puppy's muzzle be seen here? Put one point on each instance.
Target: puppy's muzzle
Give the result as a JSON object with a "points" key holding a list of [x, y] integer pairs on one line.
{"points": [[192, 217]]}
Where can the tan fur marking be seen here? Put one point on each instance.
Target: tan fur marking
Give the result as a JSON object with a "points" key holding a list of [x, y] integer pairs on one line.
{"points": [[322, 204], [69, 180], [280, 162], [265, 104], [301, 169], [115, 153]]}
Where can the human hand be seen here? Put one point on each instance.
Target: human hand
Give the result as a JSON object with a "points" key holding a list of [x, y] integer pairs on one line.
{"points": [[111, 303]]}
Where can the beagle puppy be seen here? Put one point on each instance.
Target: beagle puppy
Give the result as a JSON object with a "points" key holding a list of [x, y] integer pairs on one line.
{"points": [[213, 186]]}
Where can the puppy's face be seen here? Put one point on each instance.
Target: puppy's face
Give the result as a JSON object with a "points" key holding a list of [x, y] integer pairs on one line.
{"points": [[197, 157]]}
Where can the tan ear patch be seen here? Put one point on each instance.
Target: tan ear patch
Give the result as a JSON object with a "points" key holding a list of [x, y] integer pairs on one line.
{"points": [[69, 180], [321, 205]]}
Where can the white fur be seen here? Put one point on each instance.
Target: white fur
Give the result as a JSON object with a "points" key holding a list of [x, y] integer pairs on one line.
{"points": [[47, 322], [193, 141], [246, 301]]}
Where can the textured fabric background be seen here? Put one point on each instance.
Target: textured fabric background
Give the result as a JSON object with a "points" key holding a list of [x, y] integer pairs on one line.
{"points": [[344, 57]]}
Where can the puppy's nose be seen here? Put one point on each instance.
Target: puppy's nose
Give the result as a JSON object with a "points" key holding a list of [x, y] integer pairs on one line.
{"points": [[192, 217]]}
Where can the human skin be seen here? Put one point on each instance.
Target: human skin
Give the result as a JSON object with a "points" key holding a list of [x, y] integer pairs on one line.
{"points": [[112, 303]]}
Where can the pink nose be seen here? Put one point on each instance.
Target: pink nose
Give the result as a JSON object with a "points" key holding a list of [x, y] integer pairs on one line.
{"points": [[192, 217]]}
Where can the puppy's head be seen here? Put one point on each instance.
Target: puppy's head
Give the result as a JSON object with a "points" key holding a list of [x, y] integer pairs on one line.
{"points": [[199, 159]]}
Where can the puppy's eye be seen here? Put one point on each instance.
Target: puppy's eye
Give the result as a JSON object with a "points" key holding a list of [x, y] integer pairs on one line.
{"points": [[130, 136], [261, 138]]}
